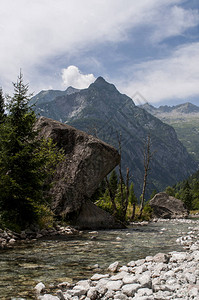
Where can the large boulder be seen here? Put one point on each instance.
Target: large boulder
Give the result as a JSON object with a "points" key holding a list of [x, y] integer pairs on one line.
{"points": [[87, 161], [167, 207]]}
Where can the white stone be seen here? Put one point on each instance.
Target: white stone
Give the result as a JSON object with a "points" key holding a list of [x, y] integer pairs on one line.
{"points": [[159, 268], [163, 295], [149, 258], [48, 297], [119, 275], [84, 283], [99, 276], [108, 295], [114, 285], [145, 280], [78, 291], [161, 258], [12, 241], [176, 257], [124, 268], [92, 293], [196, 255], [101, 285], [129, 279], [130, 289], [64, 284], [60, 295], [140, 269], [113, 267], [120, 296], [139, 262], [39, 287], [169, 274], [131, 264], [144, 292], [193, 292], [191, 278]]}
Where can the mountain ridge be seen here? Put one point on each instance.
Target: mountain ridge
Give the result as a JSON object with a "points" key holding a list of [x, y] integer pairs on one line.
{"points": [[103, 111], [184, 118]]}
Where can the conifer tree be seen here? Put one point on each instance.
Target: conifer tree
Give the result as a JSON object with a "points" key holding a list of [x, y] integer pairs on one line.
{"points": [[132, 200], [2, 106], [23, 161]]}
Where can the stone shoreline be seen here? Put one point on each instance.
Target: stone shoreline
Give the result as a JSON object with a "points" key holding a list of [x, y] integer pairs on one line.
{"points": [[164, 276], [8, 238]]}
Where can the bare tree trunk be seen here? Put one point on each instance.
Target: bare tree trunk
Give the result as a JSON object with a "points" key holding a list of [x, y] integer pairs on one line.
{"points": [[133, 212], [147, 159], [127, 193]]}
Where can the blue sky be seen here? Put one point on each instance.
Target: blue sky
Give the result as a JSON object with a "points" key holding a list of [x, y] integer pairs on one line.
{"points": [[147, 47]]}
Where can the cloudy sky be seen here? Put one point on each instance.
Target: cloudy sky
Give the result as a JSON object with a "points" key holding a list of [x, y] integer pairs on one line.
{"points": [[146, 47]]}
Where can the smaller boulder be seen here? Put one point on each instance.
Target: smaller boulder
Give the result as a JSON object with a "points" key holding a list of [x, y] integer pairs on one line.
{"points": [[168, 207]]}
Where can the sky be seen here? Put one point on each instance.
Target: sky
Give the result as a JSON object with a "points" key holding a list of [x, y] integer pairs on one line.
{"points": [[149, 49]]}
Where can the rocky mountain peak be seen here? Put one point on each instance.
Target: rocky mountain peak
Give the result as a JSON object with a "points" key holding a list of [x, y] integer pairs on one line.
{"points": [[71, 90], [102, 84], [187, 108]]}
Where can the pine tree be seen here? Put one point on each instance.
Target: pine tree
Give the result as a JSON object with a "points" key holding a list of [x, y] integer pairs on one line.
{"points": [[23, 162], [133, 200], [187, 196], [113, 182], [2, 106]]}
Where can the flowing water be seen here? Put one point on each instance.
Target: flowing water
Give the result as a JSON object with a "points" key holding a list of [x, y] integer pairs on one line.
{"points": [[72, 258]]}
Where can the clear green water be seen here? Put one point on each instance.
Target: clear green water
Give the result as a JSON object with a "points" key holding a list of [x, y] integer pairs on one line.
{"points": [[72, 258]]}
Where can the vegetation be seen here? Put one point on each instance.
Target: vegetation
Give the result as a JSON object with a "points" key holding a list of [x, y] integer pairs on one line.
{"points": [[109, 198], [26, 162], [188, 133], [187, 191]]}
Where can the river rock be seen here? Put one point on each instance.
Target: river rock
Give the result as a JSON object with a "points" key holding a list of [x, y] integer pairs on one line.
{"points": [[167, 207], [39, 287], [113, 267], [87, 161]]}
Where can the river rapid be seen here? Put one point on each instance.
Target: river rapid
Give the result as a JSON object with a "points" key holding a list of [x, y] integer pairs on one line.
{"points": [[72, 258]]}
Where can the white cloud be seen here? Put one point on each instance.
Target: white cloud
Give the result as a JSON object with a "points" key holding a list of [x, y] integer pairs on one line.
{"points": [[172, 22], [34, 34], [73, 77], [174, 77]]}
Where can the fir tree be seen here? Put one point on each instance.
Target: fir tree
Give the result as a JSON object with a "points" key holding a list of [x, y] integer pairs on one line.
{"points": [[23, 161], [2, 107], [133, 200]]}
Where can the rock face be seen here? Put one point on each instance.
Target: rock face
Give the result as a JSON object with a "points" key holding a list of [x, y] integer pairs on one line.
{"points": [[88, 160], [167, 207]]}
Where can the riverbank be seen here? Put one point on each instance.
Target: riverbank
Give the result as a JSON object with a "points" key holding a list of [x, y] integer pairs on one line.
{"points": [[8, 238], [164, 276]]}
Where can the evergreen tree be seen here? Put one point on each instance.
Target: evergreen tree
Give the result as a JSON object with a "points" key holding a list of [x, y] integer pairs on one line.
{"points": [[113, 182], [2, 106], [170, 191], [133, 200], [187, 196], [25, 162]]}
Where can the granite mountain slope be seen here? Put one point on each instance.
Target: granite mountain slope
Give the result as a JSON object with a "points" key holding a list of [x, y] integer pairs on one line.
{"points": [[184, 118], [103, 111]]}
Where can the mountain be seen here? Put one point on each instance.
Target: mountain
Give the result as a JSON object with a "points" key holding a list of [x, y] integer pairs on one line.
{"points": [[47, 96], [103, 111], [184, 118]]}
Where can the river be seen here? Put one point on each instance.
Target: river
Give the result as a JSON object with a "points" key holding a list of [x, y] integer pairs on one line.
{"points": [[73, 258]]}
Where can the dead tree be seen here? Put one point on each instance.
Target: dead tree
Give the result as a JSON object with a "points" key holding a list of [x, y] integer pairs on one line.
{"points": [[147, 158], [124, 198]]}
